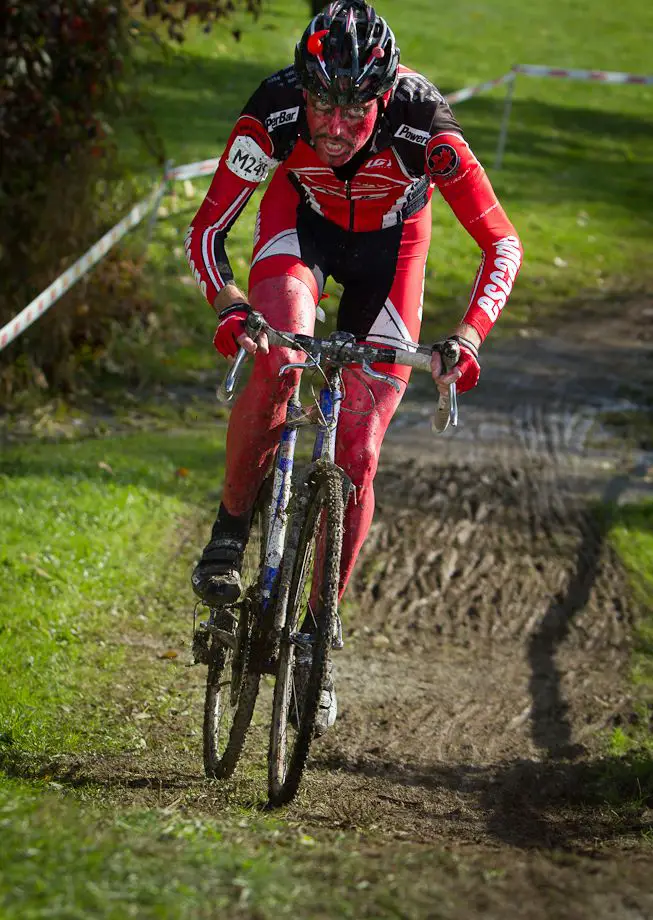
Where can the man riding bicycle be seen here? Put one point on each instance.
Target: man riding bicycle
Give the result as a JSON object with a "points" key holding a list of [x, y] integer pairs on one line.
{"points": [[360, 143]]}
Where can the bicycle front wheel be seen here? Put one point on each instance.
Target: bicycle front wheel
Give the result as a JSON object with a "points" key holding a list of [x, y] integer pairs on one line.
{"points": [[316, 546], [233, 676]]}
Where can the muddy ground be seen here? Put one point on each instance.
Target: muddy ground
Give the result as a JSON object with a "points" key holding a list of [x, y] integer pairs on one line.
{"points": [[489, 632]]}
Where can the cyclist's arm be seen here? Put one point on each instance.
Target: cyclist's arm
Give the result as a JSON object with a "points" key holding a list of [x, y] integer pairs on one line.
{"points": [[464, 185], [244, 164]]}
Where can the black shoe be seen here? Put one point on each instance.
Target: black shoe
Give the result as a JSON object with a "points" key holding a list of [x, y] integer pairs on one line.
{"points": [[216, 579]]}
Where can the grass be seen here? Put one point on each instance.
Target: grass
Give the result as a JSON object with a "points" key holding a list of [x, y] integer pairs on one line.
{"points": [[93, 555], [631, 533], [162, 864], [87, 528], [574, 181], [91, 529]]}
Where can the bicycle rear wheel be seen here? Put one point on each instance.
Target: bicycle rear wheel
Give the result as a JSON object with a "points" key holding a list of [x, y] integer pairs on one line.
{"points": [[233, 677], [316, 546]]}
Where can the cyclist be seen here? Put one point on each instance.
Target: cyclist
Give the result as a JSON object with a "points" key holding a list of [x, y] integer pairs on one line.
{"points": [[360, 142]]}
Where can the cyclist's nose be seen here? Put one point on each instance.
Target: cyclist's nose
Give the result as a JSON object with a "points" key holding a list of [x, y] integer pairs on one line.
{"points": [[334, 124]]}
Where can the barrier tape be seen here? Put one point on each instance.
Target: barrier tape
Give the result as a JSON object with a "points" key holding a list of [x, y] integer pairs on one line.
{"points": [[462, 95], [192, 170], [78, 269], [597, 76], [82, 266]]}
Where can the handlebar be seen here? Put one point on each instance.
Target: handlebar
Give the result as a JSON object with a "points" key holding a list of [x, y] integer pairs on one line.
{"points": [[342, 349]]}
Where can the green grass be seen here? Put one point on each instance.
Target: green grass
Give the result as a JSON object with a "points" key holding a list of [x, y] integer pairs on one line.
{"points": [[87, 530], [576, 177], [631, 533], [162, 864]]}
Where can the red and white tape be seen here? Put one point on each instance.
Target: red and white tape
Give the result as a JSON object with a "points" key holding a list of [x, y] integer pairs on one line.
{"points": [[193, 170], [462, 95], [71, 276], [594, 76]]}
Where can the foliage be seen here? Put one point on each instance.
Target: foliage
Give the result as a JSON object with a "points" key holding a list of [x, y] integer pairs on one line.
{"points": [[65, 81], [175, 15]]}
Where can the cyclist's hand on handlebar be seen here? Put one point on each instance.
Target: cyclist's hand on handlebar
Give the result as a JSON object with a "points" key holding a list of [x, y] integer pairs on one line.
{"points": [[253, 345], [231, 332], [465, 374]]}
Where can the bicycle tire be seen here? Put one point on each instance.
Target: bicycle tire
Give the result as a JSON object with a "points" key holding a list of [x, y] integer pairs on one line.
{"points": [[222, 748], [287, 756]]}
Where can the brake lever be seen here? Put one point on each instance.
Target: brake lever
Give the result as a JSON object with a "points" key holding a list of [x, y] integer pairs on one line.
{"points": [[447, 411], [386, 378], [226, 389]]}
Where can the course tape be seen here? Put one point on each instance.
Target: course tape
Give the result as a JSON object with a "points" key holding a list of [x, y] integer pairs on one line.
{"points": [[192, 170], [462, 95], [71, 276], [597, 76], [82, 266]]}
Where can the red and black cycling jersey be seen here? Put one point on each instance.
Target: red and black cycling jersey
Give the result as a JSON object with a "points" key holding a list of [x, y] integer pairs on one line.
{"points": [[417, 144]]}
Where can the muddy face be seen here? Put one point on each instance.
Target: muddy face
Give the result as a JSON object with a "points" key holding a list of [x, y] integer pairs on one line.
{"points": [[339, 131]]}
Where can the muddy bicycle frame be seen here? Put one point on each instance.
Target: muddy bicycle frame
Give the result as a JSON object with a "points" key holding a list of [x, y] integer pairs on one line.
{"points": [[339, 350]]}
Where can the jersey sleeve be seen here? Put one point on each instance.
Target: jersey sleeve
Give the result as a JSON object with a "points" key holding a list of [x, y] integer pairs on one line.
{"points": [[464, 185], [245, 163]]}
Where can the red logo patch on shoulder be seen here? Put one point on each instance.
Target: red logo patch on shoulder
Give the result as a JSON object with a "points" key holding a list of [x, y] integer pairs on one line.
{"points": [[442, 161]]}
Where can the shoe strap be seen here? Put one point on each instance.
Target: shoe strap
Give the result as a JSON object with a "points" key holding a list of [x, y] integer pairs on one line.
{"points": [[225, 550]]}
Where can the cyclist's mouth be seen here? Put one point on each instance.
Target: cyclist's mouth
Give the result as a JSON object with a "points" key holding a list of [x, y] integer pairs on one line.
{"points": [[335, 147]]}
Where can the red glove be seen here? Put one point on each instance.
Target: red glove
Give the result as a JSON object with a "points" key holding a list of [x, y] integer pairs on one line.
{"points": [[466, 372], [231, 325], [469, 367]]}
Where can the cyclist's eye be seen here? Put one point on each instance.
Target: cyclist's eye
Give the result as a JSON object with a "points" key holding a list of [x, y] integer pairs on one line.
{"points": [[356, 112], [321, 106]]}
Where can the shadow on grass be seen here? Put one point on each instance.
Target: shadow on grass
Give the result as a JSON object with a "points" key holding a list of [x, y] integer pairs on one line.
{"points": [[558, 153], [554, 151], [191, 102], [525, 804], [529, 804], [550, 724]]}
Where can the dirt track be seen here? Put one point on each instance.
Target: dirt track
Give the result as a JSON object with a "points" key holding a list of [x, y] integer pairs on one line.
{"points": [[492, 652]]}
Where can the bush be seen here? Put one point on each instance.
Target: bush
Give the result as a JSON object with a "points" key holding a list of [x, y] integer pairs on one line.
{"points": [[62, 69], [61, 185]]}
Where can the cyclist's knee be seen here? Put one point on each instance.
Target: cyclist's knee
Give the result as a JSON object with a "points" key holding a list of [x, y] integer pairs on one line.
{"points": [[360, 462], [267, 377]]}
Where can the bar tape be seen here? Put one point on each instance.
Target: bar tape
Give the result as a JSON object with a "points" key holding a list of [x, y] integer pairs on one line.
{"points": [[51, 295]]}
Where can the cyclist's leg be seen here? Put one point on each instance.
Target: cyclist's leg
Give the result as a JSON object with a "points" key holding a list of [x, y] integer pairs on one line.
{"points": [[286, 291], [360, 437]]}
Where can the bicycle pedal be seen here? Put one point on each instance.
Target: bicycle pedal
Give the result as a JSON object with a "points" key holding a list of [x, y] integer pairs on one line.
{"points": [[224, 636], [200, 647]]}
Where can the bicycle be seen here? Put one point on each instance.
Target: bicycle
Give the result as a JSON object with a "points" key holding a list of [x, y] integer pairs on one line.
{"points": [[296, 538]]}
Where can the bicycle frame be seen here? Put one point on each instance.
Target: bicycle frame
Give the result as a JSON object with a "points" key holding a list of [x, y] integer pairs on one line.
{"points": [[324, 448]]}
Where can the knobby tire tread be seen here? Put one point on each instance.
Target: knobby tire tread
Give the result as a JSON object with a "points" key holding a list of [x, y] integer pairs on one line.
{"points": [[326, 493], [222, 767]]}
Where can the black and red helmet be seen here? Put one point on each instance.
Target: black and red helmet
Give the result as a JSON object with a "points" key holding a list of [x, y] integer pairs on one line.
{"points": [[348, 54]]}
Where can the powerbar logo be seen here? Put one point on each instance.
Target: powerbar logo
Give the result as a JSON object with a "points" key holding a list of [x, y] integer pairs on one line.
{"points": [[506, 266], [284, 117], [406, 133]]}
